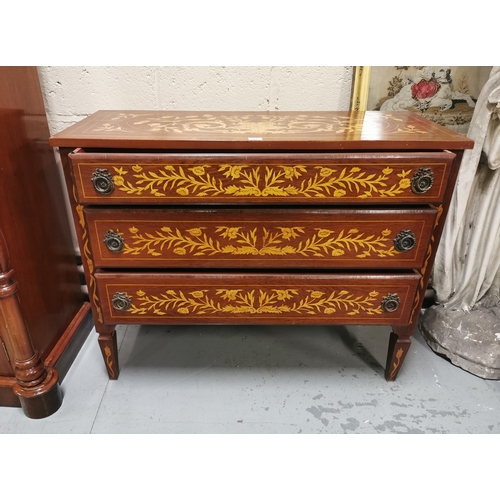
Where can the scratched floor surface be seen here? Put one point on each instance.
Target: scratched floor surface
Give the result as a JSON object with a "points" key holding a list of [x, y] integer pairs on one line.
{"points": [[245, 379]]}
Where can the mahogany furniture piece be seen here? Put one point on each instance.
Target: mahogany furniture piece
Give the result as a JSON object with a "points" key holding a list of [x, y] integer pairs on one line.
{"points": [[259, 218], [44, 318]]}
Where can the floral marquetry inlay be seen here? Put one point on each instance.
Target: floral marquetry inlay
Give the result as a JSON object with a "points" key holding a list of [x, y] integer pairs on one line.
{"points": [[87, 254], [255, 302], [276, 241], [251, 124], [227, 180]]}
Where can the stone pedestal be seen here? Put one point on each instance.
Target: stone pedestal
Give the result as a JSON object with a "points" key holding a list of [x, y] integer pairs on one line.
{"points": [[470, 340]]}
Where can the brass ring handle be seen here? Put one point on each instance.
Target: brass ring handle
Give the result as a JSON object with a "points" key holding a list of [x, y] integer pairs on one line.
{"points": [[405, 241], [102, 181], [422, 180], [390, 303], [121, 301], [114, 241]]}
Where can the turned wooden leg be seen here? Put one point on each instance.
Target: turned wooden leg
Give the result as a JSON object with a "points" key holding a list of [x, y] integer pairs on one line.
{"points": [[399, 344], [37, 386], [109, 349]]}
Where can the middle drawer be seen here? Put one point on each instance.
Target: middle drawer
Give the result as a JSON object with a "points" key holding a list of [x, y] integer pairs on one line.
{"points": [[260, 238]]}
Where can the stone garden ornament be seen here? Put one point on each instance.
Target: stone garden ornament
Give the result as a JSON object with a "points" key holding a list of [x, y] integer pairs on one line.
{"points": [[465, 324]]}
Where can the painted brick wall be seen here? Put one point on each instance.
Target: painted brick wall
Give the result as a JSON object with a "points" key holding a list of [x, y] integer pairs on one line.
{"points": [[73, 92]]}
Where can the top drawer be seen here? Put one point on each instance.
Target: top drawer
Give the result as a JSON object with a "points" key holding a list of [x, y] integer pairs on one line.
{"points": [[225, 178]]}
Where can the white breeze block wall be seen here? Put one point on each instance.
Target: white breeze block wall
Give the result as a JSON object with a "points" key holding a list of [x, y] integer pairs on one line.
{"points": [[73, 92]]}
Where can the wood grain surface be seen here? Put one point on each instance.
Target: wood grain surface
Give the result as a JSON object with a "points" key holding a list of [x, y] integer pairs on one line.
{"points": [[282, 130], [33, 218]]}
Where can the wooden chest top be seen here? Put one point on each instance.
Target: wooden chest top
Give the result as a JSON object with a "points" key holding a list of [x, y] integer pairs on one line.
{"points": [[306, 131]]}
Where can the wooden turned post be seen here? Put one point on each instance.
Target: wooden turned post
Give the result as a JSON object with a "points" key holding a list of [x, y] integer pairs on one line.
{"points": [[37, 386]]}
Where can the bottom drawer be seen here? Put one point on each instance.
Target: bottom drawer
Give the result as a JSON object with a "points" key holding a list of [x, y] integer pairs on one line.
{"points": [[256, 298]]}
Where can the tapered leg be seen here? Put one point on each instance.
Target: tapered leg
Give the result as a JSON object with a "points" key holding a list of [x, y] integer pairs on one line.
{"points": [[399, 344], [109, 349]]}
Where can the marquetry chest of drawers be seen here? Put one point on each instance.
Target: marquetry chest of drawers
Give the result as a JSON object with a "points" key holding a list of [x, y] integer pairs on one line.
{"points": [[259, 218]]}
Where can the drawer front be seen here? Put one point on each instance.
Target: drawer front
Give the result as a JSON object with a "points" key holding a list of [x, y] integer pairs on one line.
{"points": [[260, 238], [164, 298], [140, 178]]}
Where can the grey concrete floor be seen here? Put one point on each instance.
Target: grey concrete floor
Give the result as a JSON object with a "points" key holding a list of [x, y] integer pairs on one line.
{"points": [[265, 380]]}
